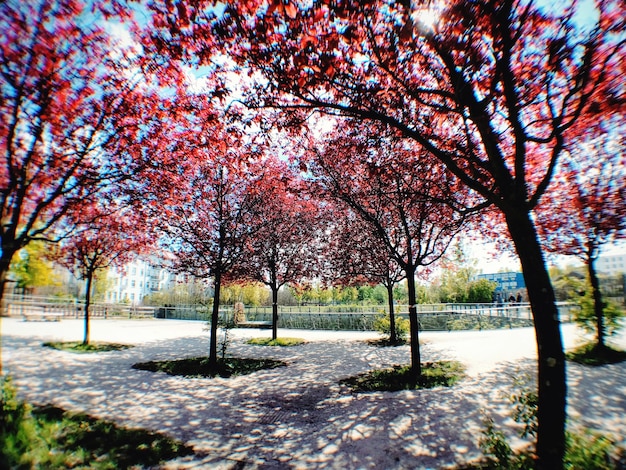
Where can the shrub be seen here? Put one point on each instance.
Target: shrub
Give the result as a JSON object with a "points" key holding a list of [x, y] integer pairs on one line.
{"points": [[382, 324], [586, 316]]}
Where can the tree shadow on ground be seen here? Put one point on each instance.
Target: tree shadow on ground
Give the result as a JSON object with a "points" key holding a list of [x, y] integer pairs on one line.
{"points": [[296, 416]]}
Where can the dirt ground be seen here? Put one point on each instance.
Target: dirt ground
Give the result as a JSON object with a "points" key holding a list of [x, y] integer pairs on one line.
{"points": [[299, 416]]}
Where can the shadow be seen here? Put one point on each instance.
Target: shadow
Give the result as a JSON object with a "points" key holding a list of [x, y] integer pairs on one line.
{"points": [[296, 416], [597, 398]]}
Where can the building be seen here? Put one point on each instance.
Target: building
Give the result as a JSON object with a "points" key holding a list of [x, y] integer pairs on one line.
{"points": [[136, 280], [611, 264]]}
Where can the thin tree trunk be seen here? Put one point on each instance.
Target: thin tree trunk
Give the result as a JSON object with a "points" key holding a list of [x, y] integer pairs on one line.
{"points": [[274, 312], [416, 365], [552, 387], [215, 316], [5, 265], [4, 269], [393, 337], [87, 304], [598, 305]]}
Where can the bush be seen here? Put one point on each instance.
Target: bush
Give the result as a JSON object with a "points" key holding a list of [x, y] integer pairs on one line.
{"points": [[586, 316], [382, 324]]}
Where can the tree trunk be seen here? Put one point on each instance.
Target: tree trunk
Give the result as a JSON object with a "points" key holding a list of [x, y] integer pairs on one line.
{"points": [[5, 263], [416, 365], [215, 316], [274, 312], [598, 305], [551, 358], [89, 279], [393, 337]]}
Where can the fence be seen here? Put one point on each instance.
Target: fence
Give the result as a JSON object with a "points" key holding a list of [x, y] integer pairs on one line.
{"points": [[438, 317], [33, 307], [434, 317]]}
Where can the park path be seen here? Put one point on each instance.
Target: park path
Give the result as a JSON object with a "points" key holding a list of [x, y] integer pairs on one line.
{"points": [[298, 416]]}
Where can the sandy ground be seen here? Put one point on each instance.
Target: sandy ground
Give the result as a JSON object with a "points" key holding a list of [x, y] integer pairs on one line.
{"points": [[298, 416]]}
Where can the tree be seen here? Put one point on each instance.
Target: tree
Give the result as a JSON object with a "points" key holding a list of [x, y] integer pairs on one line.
{"points": [[493, 89], [111, 238], [201, 192], [357, 254], [456, 283], [587, 210], [31, 269], [287, 241], [71, 116], [401, 196], [249, 293]]}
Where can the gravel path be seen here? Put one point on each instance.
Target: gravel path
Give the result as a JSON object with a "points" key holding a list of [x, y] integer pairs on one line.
{"points": [[298, 416]]}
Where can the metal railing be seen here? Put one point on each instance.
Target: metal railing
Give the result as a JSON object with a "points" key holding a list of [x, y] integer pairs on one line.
{"points": [[51, 307], [324, 317]]}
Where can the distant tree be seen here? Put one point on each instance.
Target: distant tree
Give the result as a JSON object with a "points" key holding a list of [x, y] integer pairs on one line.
{"points": [[300, 291], [569, 283], [409, 201], [480, 291], [587, 211], [286, 247], [31, 269], [357, 254], [457, 282], [112, 238], [249, 293]]}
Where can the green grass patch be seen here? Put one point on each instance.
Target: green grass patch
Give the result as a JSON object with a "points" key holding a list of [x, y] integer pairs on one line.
{"points": [[49, 437], [200, 367], [284, 342], [434, 374], [387, 343], [80, 347], [591, 354]]}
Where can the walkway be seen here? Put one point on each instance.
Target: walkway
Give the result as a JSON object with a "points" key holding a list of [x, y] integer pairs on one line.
{"points": [[297, 416]]}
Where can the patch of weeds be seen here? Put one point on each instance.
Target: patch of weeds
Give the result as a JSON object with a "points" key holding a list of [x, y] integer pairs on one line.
{"points": [[201, 367], [587, 449], [285, 342], [592, 354], [584, 449], [49, 437], [80, 347], [434, 374]]}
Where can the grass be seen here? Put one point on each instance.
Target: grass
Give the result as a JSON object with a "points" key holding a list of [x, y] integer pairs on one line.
{"points": [[200, 367], [80, 347], [591, 354], [51, 438], [284, 342], [434, 374], [386, 342]]}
